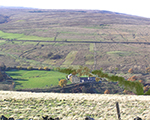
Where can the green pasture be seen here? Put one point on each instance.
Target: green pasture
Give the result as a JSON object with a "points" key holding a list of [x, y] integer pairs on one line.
{"points": [[25, 79], [22, 36]]}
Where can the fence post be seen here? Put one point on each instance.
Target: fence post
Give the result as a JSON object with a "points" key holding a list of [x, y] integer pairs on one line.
{"points": [[118, 111]]}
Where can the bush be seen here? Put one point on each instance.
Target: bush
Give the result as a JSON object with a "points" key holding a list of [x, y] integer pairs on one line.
{"points": [[146, 88], [130, 70], [148, 69], [40, 68], [141, 81], [133, 78], [19, 67], [45, 68], [63, 82], [97, 79], [107, 91], [29, 68]]}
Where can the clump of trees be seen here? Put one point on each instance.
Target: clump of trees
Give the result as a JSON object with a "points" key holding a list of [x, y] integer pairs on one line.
{"points": [[130, 85], [62, 82], [134, 86]]}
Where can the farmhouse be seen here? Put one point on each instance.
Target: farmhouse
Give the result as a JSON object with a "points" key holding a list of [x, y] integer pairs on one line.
{"points": [[75, 79]]}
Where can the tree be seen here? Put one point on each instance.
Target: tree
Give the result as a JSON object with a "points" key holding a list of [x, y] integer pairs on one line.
{"points": [[97, 79], [141, 81], [133, 78], [30, 68], [45, 68], [19, 67], [63, 82], [107, 91], [148, 70], [40, 68], [130, 70], [83, 71], [74, 73], [146, 88]]}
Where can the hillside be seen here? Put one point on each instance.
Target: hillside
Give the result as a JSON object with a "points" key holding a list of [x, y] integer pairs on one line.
{"points": [[3, 19], [63, 38]]}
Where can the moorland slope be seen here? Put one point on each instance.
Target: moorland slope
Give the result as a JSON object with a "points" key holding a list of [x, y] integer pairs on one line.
{"points": [[113, 34]]}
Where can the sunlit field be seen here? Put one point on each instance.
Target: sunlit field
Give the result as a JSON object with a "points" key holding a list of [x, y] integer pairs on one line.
{"points": [[27, 105]]}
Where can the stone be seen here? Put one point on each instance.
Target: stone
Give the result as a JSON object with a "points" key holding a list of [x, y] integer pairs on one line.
{"points": [[45, 117], [11, 118], [57, 118], [51, 118], [89, 118], [137, 118], [3, 118]]}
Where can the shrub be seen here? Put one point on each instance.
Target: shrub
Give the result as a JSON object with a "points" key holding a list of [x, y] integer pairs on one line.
{"points": [[148, 69], [40, 68], [90, 75], [130, 70], [141, 81], [97, 79], [125, 91], [107, 91], [63, 82], [74, 73], [45, 68], [133, 78], [146, 88], [29, 68], [19, 67]]}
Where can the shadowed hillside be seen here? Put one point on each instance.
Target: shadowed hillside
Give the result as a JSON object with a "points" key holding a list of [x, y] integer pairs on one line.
{"points": [[3, 19]]}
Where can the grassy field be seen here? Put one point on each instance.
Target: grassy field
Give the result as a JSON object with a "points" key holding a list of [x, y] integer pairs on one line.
{"points": [[25, 105], [25, 79], [17, 36]]}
